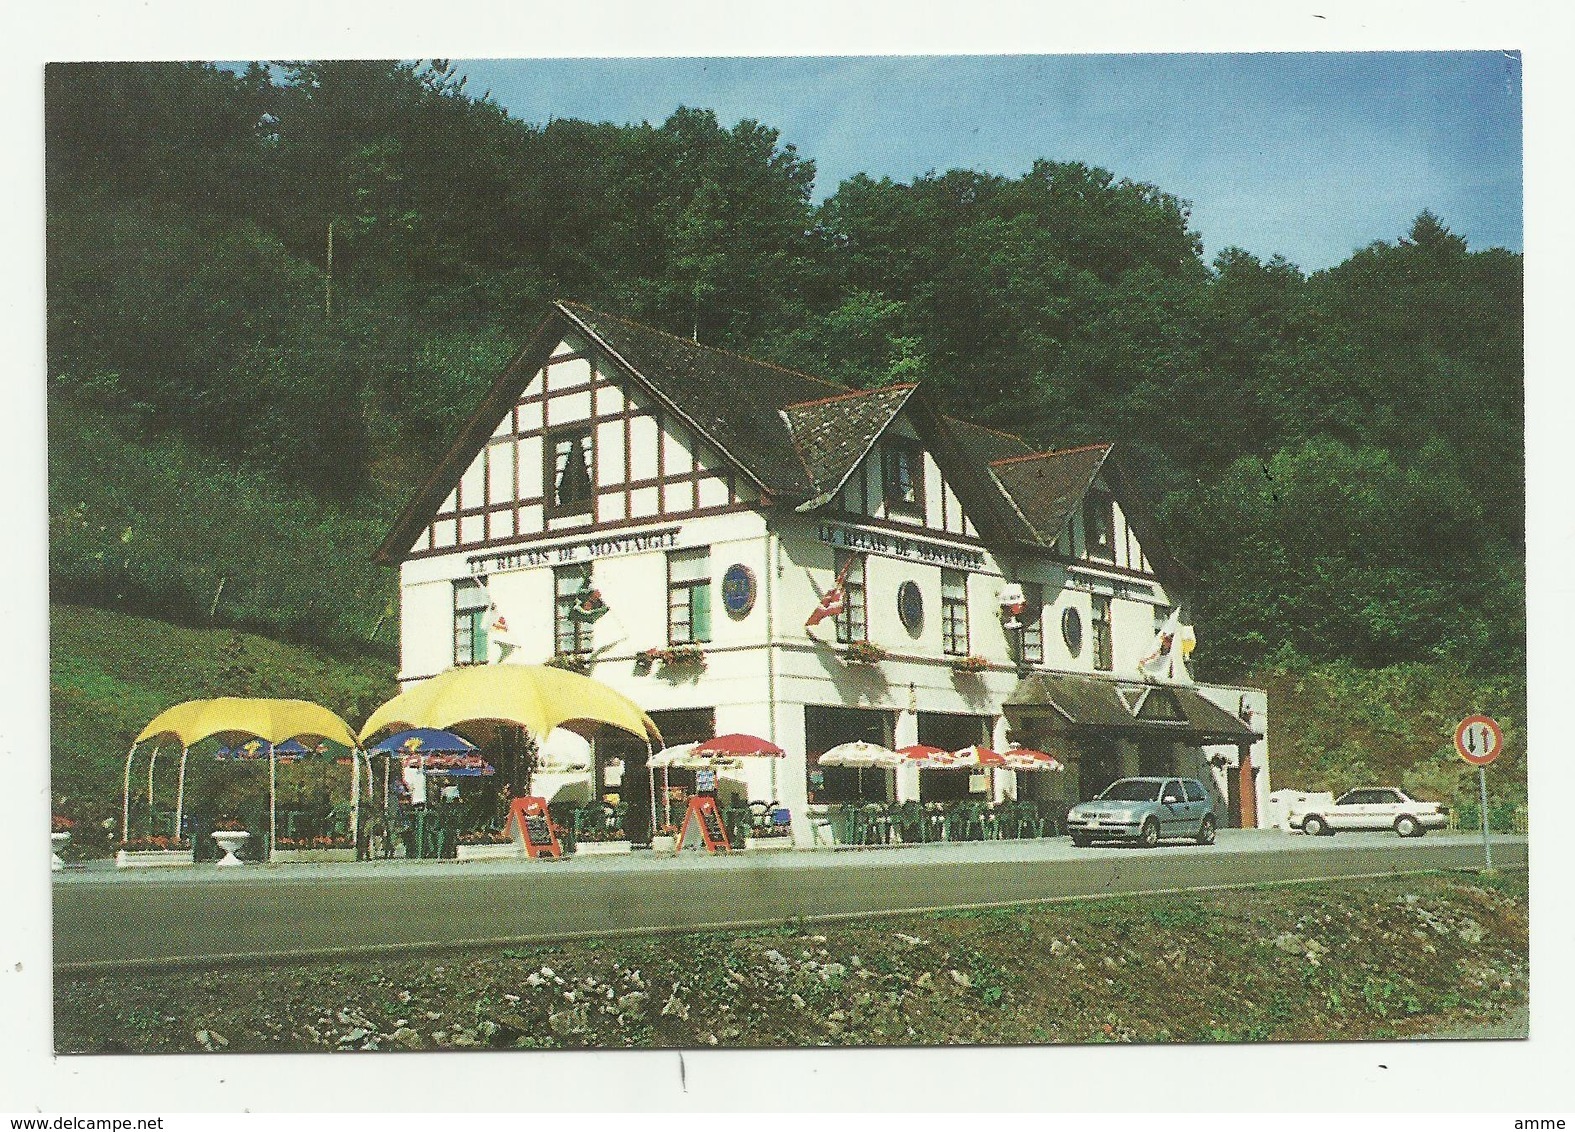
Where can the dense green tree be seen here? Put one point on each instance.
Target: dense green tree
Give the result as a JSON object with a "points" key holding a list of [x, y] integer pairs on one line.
{"points": [[1342, 452]]}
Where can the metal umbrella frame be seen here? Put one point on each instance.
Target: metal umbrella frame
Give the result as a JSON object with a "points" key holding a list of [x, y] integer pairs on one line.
{"points": [[273, 722]]}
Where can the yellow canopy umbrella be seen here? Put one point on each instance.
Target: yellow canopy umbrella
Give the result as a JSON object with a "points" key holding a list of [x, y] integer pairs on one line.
{"points": [[533, 696], [273, 721]]}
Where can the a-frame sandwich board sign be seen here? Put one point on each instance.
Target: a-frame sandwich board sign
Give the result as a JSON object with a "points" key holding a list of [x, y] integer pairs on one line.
{"points": [[702, 825], [532, 828]]}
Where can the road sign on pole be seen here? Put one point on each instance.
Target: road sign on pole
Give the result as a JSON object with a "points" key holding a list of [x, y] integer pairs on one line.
{"points": [[1478, 740]]}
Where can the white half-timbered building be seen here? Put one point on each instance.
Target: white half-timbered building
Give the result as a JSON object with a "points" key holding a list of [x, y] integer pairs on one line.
{"points": [[711, 500]]}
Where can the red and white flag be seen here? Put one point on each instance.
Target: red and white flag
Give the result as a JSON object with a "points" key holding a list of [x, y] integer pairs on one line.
{"points": [[498, 632], [832, 601]]}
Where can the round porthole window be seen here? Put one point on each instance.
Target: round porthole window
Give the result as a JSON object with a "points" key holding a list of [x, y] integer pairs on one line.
{"points": [[1072, 630], [910, 607]]}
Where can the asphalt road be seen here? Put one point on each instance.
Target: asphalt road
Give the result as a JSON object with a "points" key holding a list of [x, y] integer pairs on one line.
{"points": [[154, 918]]}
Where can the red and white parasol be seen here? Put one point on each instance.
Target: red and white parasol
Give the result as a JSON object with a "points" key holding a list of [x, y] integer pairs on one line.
{"points": [[976, 755], [736, 746], [1025, 758]]}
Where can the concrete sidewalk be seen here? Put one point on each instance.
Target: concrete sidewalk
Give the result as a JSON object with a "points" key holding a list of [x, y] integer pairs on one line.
{"points": [[1047, 850]]}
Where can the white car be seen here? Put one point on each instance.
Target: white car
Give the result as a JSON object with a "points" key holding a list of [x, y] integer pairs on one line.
{"points": [[1377, 807]]}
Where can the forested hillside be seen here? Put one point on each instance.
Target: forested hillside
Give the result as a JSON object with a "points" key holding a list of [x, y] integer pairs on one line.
{"points": [[272, 295]]}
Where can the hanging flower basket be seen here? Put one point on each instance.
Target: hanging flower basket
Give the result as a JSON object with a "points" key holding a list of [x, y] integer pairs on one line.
{"points": [[674, 656], [970, 665], [863, 653], [571, 662]]}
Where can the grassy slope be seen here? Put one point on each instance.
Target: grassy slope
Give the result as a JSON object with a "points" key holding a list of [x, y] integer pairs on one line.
{"points": [[155, 524], [110, 673], [1333, 726]]}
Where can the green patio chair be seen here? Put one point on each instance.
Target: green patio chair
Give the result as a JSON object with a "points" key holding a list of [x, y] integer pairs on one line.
{"points": [[913, 824], [1007, 826], [959, 821]]}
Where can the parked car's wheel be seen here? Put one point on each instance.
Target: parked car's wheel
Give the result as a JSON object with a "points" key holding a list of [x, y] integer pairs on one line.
{"points": [[1080, 841], [1206, 830], [1408, 826], [1148, 837], [1314, 826]]}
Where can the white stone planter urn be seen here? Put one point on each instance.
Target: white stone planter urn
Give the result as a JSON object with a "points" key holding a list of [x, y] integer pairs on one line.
{"points": [[229, 840], [57, 842]]}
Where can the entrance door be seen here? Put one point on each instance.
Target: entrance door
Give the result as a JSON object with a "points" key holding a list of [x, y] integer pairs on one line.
{"points": [[1098, 766], [1156, 758]]}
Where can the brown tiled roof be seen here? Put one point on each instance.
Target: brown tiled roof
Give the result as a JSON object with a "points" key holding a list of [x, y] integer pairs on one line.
{"points": [[735, 401], [1048, 486], [1092, 702], [986, 445], [795, 435], [834, 433]]}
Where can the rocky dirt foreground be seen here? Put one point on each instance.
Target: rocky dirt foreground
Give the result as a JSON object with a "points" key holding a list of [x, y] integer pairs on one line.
{"points": [[1392, 958]]}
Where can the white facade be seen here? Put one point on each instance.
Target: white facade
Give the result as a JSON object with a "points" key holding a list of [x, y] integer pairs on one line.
{"points": [[516, 532]]}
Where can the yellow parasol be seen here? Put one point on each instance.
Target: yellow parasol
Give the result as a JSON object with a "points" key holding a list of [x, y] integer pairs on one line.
{"points": [[273, 721], [532, 696]]}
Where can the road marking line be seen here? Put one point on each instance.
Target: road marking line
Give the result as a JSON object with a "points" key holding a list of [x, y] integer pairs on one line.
{"points": [[272, 958]]}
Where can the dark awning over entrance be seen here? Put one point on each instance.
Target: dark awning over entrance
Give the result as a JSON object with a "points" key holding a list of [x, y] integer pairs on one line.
{"points": [[1067, 700]]}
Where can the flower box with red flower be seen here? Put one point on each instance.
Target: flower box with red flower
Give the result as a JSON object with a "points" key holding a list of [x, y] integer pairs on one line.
{"points": [[324, 847], [970, 665], [863, 653], [673, 657], [488, 845], [599, 841], [571, 662]]}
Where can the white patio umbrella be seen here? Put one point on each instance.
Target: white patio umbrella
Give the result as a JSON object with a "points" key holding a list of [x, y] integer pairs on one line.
{"points": [[1023, 758], [860, 755], [681, 756]]}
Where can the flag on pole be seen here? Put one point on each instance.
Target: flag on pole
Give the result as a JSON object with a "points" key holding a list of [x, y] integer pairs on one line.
{"points": [[498, 634], [1172, 645], [832, 601]]}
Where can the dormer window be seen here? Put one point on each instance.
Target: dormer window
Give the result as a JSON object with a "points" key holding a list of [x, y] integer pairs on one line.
{"points": [[1099, 526], [904, 477], [569, 471]]}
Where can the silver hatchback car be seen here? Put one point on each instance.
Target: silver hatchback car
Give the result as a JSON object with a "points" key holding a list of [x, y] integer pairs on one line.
{"points": [[1145, 810]]}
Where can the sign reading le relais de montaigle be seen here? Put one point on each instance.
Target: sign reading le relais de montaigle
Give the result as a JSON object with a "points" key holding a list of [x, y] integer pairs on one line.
{"points": [[900, 546], [564, 554]]}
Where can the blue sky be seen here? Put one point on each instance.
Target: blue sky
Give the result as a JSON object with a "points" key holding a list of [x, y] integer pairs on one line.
{"points": [[1307, 155]]}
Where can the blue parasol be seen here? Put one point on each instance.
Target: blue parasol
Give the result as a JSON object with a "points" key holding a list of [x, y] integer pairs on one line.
{"points": [[424, 741], [256, 749]]}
